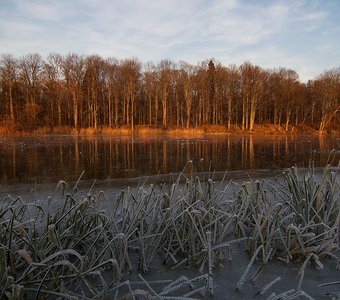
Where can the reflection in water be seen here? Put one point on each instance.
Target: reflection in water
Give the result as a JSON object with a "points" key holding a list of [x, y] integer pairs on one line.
{"points": [[51, 158]]}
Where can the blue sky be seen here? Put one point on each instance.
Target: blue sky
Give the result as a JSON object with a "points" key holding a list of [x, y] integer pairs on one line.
{"points": [[300, 34]]}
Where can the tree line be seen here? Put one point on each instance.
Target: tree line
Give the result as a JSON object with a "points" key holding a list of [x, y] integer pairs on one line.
{"points": [[91, 91]]}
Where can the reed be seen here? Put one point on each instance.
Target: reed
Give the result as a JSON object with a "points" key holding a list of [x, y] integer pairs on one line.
{"points": [[70, 247]]}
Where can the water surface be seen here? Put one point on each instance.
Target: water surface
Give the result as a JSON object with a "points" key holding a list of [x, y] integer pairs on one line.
{"points": [[49, 158]]}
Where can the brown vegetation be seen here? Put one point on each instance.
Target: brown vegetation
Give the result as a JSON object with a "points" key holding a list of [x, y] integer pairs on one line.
{"points": [[90, 94], [259, 130]]}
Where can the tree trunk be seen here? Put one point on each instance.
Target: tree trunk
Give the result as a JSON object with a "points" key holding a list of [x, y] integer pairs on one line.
{"points": [[164, 107], [75, 109], [252, 113]]}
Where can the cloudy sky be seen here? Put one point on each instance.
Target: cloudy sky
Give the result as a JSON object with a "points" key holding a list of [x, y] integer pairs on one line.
{"points": [[300, 34]]}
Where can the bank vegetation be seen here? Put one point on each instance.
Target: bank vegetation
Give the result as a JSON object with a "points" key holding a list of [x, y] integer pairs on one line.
{"points": [[69, 247]]}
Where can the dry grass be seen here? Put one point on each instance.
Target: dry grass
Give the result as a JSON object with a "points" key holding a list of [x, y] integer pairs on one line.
{"points": [[7, 128], [185, 132], [268, 129], [64, 130], [148, 130], [4, 130], [259, 129]]}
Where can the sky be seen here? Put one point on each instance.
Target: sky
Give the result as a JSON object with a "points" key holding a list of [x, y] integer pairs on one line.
{"points": [[303, 35]]}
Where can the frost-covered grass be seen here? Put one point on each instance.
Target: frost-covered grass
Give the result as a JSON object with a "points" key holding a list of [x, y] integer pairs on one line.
{"points": [[80, 250]]}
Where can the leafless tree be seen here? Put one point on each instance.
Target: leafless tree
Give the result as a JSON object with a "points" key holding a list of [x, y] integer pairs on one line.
{"points": [[8, 73]]}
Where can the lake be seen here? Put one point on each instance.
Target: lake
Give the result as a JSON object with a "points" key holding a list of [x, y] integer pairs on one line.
{"points": [[48, 158]]}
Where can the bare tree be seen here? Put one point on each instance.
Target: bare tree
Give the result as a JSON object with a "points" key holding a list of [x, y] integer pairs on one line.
{"points": [[30, 69], [211, 105], [8, 71], [54, 87], [327, 92], [164, 69], [73, 68], [187, 72], [131, 72], [94, 84], [252, 89], [112, 66], [151, 93], [289, 86], [233, 86]]}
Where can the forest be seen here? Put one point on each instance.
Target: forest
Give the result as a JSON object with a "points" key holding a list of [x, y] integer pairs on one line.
{"points": [[89, 91]]}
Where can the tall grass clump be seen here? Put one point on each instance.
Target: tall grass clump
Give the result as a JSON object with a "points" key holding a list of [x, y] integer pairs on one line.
{"points": [[294, 219], [70, 247], [48, 253], [314, 207]]}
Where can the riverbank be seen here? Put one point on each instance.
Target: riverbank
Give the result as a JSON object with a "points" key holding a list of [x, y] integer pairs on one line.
{"points": [[259, 129], [183, 236]]}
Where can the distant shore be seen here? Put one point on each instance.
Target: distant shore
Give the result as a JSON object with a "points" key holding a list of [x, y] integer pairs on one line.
{"points": [[260, 129]]}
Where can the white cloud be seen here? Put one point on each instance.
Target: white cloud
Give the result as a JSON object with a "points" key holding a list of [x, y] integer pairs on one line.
{"points": [[293, 33], [38, 10]]}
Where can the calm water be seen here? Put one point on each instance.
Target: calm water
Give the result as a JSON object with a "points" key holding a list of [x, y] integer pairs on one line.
{"points": [[47, 159]]}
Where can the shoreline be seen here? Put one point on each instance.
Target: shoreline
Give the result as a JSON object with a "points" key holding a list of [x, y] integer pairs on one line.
{"points": [[220, 179], [144, 130]]}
